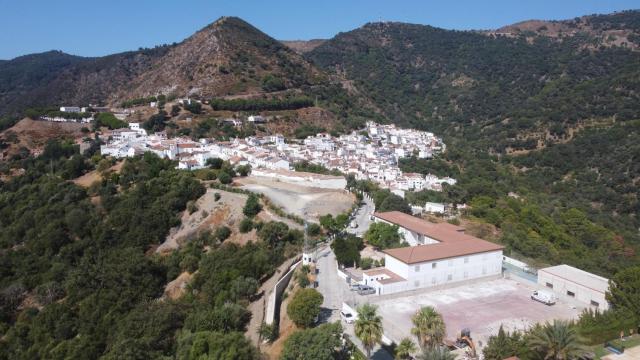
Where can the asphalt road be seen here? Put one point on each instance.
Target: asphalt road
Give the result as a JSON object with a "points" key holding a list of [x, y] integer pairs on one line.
{"points": [[335, 290], [362, 217]]}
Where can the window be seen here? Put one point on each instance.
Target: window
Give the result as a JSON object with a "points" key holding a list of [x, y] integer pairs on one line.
{"points": [[466, 274], [450, 262], [416, 268], [484, 270], [449, 277], [433, 265], [433, 280], [466, 260], [594, 303], [549, 285], [571, 293], [416, 283]]}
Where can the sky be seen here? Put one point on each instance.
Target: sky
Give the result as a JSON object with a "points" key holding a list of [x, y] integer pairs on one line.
{"points": [[101, 27]]}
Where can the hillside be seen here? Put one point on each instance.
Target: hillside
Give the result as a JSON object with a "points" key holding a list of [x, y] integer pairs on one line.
{"points": [[550, 121], [227, 57], [505, 93], [618, 29], [53, 78]]}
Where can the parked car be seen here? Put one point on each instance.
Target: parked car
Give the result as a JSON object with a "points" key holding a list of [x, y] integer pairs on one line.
{"points": [[354, 224], [366, 290], [356, 287], [543, 297], [347, 317]]}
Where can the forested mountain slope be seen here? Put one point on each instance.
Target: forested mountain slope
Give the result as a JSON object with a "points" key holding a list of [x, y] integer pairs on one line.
{"points": [[547, 120], [504, 93]]}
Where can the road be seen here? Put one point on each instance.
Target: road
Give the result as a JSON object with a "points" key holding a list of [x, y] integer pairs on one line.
{"points": [[335, 291], [362, 217]]}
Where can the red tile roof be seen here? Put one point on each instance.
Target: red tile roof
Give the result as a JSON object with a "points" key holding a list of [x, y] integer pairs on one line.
{"points": [[453, 242]]}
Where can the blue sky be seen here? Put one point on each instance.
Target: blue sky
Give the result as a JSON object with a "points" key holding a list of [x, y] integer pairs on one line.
{"points": [[100, 27]]}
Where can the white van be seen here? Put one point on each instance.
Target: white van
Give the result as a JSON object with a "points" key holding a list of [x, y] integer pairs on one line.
{"points": [[543, 297]]}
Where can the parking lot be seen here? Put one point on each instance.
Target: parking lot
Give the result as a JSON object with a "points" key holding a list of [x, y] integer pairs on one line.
{"points": [[482, 307]]}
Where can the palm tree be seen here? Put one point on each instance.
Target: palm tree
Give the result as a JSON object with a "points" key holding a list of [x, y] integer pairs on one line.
{"points": [[368, 327], [557, 341], [436, 353], [428, 327], [405, 348]]}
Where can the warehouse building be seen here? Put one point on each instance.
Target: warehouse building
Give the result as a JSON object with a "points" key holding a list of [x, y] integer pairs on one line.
{"points": [[442, 254], [569, 282]]}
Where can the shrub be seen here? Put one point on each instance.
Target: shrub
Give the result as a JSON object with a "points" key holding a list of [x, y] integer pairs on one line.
{"points": [[252, 207], [246, 225], [222, 233], [304, 308], [225, 178]]}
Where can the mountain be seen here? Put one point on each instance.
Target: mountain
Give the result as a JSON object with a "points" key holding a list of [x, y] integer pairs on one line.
{"points": [[506, 93], [617, 29], [228, 57], [541, 130], [225, 58], [54, 78]]}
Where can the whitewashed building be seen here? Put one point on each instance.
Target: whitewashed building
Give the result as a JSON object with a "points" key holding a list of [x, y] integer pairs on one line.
{"points": [[441, 254], [570, 282]]}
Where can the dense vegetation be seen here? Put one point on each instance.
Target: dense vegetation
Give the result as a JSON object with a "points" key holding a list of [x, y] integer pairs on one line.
{"points": [[78, 279], [273, 104]]}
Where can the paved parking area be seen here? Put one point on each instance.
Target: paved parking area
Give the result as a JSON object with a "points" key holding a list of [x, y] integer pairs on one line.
{"points": [[481, 307]]}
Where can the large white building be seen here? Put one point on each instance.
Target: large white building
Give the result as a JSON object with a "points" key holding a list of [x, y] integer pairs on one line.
{"points": [[569, 282], [440, 254]]}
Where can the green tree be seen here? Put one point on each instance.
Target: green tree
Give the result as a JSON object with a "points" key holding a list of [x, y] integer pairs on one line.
{"points": [[222, 233], [175, 110], [246, 225], [406, 348], [436, 353], [504, 345], [243, 170], [383, 235], [428, 327], [225, 178], [273, 232], [214, 163], [347, 249], [556, 341], [320, 343], [304, 307], [252, 207], [368, 327], [624, 290], [394, 202], [216, 345]]}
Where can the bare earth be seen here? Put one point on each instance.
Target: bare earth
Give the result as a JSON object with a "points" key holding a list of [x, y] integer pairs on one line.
{"points": [[176, 288], [303, 201], [89, 178], [210, 214]]}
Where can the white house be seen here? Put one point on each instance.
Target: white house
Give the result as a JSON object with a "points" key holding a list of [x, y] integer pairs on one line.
{"points": [[569, 282], [435, 208], [256, 119], [442, 254], [71, 109]]}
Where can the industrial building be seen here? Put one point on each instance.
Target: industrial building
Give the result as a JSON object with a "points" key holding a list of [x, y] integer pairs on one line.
{"points": [[440, 254], [569, 282]]}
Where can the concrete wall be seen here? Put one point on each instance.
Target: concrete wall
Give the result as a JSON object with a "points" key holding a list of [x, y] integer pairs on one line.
{"points": [[446, 271], [325, 182], [582, 293], [272, 311]]}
